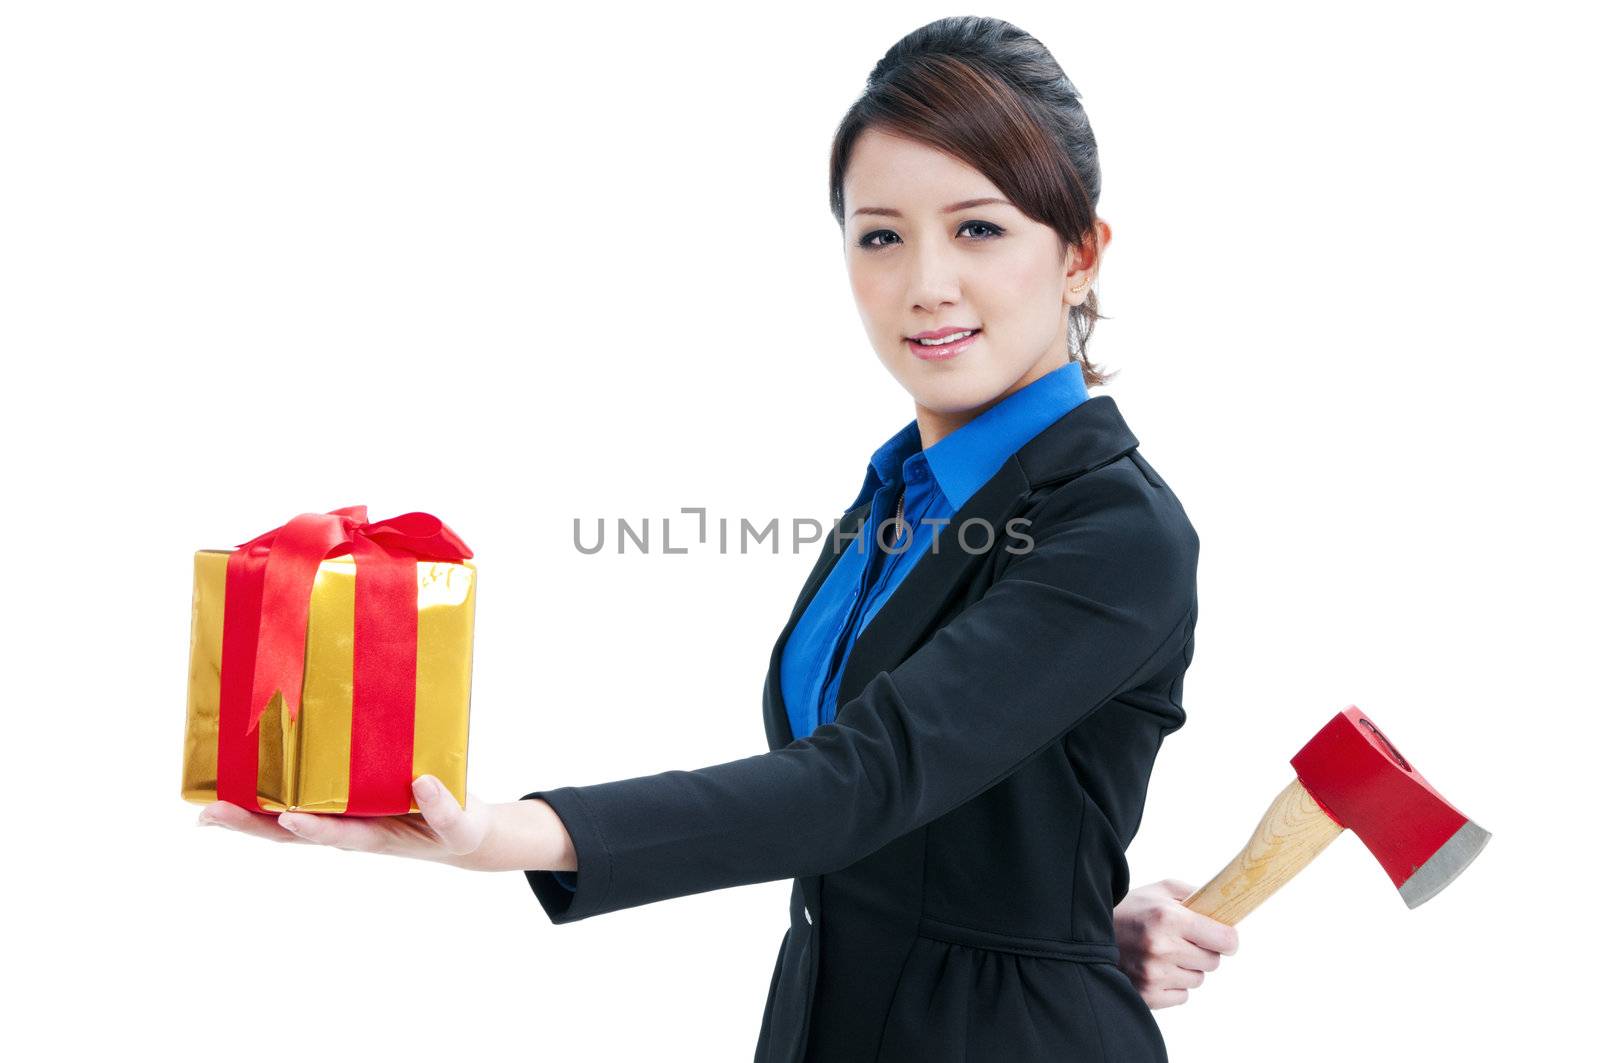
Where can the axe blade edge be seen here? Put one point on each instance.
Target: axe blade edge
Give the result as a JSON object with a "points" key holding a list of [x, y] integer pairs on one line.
{"points": [[1443, 866]]}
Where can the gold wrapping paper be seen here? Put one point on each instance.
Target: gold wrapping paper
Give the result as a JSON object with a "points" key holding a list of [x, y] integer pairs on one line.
{"points": [[305, 765]]}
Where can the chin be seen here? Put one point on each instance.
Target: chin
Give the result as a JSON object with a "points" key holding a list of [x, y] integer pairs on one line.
{"points": [[951, 390], [952, 394]]}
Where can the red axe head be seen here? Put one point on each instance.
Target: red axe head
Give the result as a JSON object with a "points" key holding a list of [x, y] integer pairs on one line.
{"points": [[1364, 783]]}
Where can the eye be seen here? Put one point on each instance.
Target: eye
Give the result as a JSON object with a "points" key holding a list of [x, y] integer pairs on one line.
{"points": [[995, 229], [866, 241]]}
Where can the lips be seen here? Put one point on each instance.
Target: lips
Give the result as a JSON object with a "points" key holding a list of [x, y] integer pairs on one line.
{"points": [[943, 351], [934, 334]]}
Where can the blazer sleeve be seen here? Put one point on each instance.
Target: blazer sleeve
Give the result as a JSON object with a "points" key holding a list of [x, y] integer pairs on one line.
{"points": [[1104, 596]]}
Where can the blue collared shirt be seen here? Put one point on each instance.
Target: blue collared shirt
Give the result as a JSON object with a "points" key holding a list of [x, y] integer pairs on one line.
{"points": [[938, 482]]}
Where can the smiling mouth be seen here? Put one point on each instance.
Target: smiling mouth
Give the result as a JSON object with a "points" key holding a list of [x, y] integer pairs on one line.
{"points": [[945, 347], [945, 341]]}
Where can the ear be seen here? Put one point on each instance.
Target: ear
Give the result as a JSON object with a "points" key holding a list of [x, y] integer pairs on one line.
{"points": [[1082, 265]]}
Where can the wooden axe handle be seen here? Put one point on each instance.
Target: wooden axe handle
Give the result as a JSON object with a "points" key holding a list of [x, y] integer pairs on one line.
{"points": [[1291, 834]]}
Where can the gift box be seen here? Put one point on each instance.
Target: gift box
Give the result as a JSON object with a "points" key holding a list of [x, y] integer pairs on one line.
{"points": [[330, 664]]}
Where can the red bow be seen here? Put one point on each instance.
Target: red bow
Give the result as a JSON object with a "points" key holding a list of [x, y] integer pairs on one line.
{"points": [[266, 609]]}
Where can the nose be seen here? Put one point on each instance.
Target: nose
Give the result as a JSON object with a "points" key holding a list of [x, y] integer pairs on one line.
{"points": [[934, 278]]}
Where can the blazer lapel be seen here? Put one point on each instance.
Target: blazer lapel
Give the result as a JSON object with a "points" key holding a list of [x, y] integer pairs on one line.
{"points": [[938, 574], [1086, 437]]}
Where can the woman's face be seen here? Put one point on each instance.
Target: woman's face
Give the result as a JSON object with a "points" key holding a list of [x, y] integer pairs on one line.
{"points": [[917, 266]]}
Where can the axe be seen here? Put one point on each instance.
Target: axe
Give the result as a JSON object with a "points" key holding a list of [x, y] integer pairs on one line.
{"points": [[1348, 775]]}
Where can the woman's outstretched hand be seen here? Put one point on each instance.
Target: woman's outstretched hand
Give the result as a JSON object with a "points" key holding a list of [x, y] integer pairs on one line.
{"points": [[479, 837], [1166, 947]]}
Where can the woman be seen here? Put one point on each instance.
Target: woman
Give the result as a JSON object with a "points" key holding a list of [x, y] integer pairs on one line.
{"points": [[965, 705]]}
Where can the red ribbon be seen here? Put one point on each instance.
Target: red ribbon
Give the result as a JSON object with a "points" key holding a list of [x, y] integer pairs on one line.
{"points": [[266, 608]]}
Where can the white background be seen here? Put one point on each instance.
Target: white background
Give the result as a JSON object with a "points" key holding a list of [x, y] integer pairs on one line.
{"points": [[514, 266]]}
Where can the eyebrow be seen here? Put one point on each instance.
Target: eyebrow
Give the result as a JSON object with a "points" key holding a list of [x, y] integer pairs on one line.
{"points": [[965, 204]]}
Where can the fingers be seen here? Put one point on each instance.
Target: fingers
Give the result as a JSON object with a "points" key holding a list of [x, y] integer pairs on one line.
{"points": [[460, 830], [1176, 887], [355, 833], [1193, 958], [1183, 978], [261, 824], [1164, 998], [1181, 929], [1210, 934], [1165, 971], [292, 826]]}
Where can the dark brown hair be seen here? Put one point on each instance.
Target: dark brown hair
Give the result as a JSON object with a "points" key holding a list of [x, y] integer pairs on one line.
{"points": [[991, 95]]}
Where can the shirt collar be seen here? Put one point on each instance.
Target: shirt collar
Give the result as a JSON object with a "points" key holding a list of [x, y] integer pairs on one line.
{"points": [[887, 461], [967, 458]]}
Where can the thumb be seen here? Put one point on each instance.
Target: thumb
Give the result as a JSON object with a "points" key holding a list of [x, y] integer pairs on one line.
{"points": [[1178, 888], [456, 830]]}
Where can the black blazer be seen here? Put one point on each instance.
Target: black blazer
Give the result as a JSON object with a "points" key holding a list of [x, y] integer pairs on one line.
{"points": [[957, 833]]}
